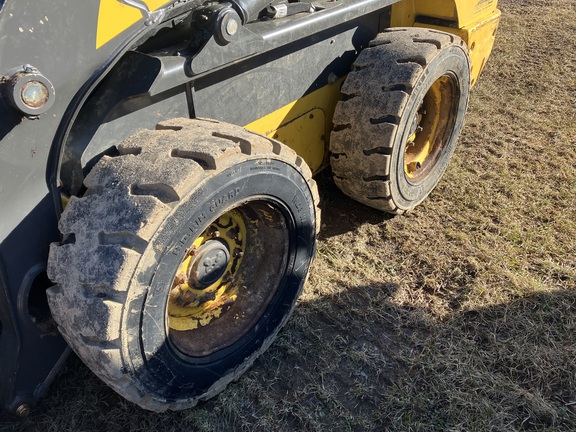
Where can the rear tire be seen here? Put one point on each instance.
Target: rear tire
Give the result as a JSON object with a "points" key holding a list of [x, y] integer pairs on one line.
{"points": [[183, 260], [397, 124]]}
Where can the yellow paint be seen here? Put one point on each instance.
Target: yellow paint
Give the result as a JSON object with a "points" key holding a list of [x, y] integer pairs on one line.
{"points": [[303, 125], [422, 142], [196, 314], [480, 37], [115, 17], [474, 21], [306, 136], [462, 12]]}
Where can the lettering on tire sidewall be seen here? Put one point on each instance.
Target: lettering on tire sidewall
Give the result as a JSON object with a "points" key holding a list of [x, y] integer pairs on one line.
{"points": [[273, 181]]}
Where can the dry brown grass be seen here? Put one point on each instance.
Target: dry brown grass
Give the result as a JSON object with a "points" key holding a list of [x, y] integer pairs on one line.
{"points": [[460, 316]]}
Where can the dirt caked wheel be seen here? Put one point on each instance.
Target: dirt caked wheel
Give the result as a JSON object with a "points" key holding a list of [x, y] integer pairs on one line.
{"points": [[400, 116], [183, 259]]}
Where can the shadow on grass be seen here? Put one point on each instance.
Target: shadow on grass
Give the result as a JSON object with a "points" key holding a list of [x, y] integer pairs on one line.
{"points": [[358, 361], [340, 213]]}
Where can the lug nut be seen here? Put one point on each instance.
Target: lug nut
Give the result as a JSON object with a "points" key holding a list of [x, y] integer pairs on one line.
{"points": [[175, 293], [23, 410], [180, 279], [213, 232], [228, 278]]}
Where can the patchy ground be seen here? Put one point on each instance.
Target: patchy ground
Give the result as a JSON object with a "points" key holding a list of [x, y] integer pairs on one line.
{"points": [[460, 316]]}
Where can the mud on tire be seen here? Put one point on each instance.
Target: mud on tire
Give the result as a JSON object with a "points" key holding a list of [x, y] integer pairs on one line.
{"points": [[401, 112], [183, 259]]}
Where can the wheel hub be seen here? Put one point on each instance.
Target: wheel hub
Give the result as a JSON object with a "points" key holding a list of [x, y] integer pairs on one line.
{"points": [[209, 264], [203, 288], [218, 293]]}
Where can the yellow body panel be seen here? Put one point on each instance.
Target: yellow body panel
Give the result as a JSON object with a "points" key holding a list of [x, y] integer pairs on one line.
{"points": [[115, 17], [303, 125], [462, 12], [474, 21], [480, 38]]}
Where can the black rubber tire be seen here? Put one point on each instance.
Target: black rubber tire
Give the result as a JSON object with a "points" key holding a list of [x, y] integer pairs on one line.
{"points": [[124, 239], [381, 97]]}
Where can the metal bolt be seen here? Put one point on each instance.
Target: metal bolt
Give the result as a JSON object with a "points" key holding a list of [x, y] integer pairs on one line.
{"points": [[207, 296], [238, 253], [180, 278], [175, 293], [233, 233], [23, 410], [188, 297], [28, 68], [231, 26], [182, 297], [213, 232], [191, 251]]}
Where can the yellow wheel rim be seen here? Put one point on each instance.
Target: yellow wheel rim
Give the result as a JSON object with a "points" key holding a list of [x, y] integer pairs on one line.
{"points": [[430, 129], [228, 277], [194, 302]]}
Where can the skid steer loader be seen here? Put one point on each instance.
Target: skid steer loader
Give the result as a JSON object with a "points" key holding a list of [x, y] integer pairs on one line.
{"points": [[159, 212]]}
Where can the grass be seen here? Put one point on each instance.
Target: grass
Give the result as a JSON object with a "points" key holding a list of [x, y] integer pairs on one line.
{"points": [[459, 316]]}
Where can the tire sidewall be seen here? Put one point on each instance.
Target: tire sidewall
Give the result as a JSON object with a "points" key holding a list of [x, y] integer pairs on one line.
{"points": [[452, 61], [157, 366]]}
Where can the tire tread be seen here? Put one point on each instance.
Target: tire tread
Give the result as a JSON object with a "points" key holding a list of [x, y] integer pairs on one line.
{"points": [[128, 198], [381, 82]]}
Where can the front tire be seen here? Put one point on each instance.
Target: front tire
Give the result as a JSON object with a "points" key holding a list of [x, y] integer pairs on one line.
{"points": [[183, 260], [400, 116]]}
